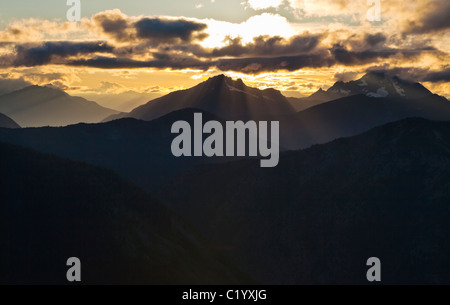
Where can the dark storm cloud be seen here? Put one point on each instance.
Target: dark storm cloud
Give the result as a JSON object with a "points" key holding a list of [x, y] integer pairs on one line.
{"points": [[168, 29], [153, 31], [437, 76], [114, 25], [264, 64], [434, 17], [266, 46], [167, 62], [42, 54], [416, 74], [253, 65], [351, 58], [245, 65], [375, 39]]}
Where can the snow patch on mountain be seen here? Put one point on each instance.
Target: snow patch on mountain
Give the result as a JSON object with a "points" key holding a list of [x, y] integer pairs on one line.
{"points": [[381, 92], [397, 88], [363, 83], [231, 88]]}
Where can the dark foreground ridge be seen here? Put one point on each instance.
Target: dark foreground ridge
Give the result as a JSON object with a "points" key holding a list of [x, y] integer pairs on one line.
{"points": [[322, 212], [53, 209]]}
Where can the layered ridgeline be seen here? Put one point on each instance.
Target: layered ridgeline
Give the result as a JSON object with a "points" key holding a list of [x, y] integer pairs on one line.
{"points": [[7, 122], [141, 150], [346, 109], [54, 209], [322, 212], [138, 150], [221, 96], [36, 106]]}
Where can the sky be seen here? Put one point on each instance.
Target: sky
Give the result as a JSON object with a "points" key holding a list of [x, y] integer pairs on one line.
{"points": [[155, 47]]}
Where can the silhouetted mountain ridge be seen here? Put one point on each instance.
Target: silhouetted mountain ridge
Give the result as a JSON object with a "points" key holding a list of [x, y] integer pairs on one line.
{"points": [[221, 96]]}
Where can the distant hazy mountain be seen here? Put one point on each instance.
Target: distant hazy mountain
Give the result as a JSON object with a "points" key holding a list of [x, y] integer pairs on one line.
{"points": [[322, 212], [372, 84], [53, 209], [221, 96], [138, 150], [124, 102], [353, 115], [6, 122], [36, 106]]}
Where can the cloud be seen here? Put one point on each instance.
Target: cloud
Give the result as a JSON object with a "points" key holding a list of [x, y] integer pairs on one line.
{"points": [[40, 78], [351, 58], [32, 54], [114, 24], [263, 4], [321, 8], [346, 76], [153, 30], [60, 85], [288, 63], [266, 46], [431, 16], [168, 62], [375, 39], [437, 76], [416, 74], [169, 30], [263, 43]]}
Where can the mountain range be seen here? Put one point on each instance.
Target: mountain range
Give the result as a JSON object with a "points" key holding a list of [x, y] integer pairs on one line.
{"points": [[373, 84], [367, 175], [322, 212], [345, 109], [140, 150], [36, 106]]}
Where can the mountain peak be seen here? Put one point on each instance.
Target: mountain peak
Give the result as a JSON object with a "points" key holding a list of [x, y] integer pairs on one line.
{"points": [[376, 83], [221, 78], [219, 95], [48, 90]]}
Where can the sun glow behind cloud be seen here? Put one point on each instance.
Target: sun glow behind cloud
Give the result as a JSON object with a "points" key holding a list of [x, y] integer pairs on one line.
{"points": [[263, 24]]}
